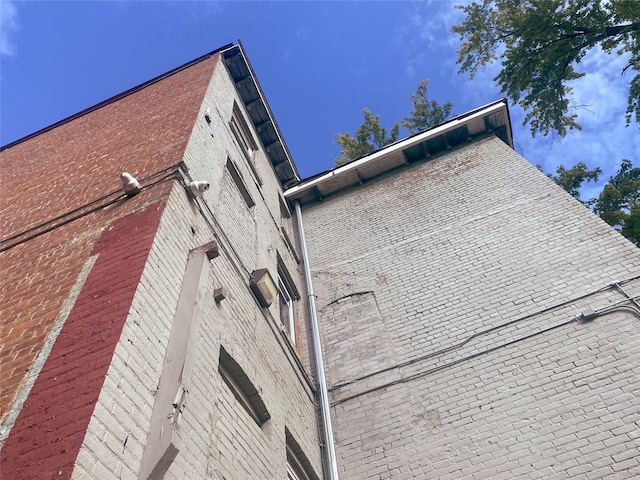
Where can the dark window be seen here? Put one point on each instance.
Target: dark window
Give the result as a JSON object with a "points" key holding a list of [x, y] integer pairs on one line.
{"points": [[242, 388], [287, 294], [239, 181], [287, 318], [298, 465], [243, 134]]}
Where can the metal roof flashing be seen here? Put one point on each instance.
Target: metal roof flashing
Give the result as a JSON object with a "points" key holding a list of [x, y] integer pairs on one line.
{"points": [[491, 119]]}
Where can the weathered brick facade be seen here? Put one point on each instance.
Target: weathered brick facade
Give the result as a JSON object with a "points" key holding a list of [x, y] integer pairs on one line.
{"points": [[94, 348], [450, 295], [476, 321], [62, 170], [46, 438]]}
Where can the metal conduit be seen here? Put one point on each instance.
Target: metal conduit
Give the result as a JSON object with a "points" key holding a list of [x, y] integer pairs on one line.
{"points": [[317, 347]]}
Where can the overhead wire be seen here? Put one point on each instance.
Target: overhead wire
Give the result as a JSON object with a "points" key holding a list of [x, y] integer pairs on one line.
{"points": [[474, 336], [81, 211], [617, 306], [478, 354]]}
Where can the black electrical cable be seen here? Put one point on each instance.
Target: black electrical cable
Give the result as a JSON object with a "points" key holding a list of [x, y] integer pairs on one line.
{"points": [[63, 215], [424, 373], [79, 212], [476, 335], [215, 228]]}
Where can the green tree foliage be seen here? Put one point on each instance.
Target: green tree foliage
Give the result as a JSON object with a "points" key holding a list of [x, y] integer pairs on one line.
{"points": [[619, 202], [572, 179], [540, 43], [425, 113], [371, 136]]}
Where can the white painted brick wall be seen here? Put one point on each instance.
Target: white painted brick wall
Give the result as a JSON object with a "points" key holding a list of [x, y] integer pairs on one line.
{"points": [[442, 291], [216, 437]]}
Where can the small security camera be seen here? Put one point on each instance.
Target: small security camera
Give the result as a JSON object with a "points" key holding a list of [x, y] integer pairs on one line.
{"points": [[129, 184], [198, 188]]}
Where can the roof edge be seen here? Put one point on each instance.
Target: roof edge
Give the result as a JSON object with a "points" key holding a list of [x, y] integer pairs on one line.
{"points": [[260, 114], [268, 108], [116, 97], [391, 156]]}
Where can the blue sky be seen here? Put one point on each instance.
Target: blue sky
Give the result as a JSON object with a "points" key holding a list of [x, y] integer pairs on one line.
{"points": [[319, 64]]}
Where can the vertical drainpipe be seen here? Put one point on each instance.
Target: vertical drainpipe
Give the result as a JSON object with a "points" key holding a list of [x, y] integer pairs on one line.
{"points": [[317, 347]]}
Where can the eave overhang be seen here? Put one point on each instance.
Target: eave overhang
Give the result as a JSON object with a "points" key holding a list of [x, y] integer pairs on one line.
{"points": [[489, 120], [260, 114]]}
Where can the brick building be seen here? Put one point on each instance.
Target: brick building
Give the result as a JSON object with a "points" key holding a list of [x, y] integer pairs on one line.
{"points": [[474, 320], [113, 308], [477, 321]]}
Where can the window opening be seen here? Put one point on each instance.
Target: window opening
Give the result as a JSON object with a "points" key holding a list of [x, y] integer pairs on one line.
{"points": [[284, 208], [242, 388], [237, 179], [287, 294], [243, 134], [287, 318], [298, 466], [289, 243], [293, 473]]}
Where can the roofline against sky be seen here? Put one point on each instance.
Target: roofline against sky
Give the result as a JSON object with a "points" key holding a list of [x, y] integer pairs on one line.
{"points": [[116, 97], [400, 145], [269, 112]]}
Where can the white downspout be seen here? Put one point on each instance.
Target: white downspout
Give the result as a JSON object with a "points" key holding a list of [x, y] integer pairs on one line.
{"points": [[317, 347]]}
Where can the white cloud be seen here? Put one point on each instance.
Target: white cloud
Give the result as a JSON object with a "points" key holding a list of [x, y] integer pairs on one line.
{"points": [[301, 33], [361, 71], [603, 90], [410, 71], [196, 8], [425, 34], [9, 25], [604, 139], [435, 23]]}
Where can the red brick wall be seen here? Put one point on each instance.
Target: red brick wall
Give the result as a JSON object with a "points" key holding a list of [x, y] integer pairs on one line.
{"points": [[48, 433], [63, 169], [80, 160]]}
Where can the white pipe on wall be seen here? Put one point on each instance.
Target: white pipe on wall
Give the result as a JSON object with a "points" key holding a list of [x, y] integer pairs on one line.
{"points": [[317, 347]]}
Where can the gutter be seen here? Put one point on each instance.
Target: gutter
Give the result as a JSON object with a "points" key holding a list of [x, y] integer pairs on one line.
{"points": [[383, 155]]}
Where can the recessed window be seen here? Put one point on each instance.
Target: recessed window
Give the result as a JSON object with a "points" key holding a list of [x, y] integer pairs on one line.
{"points": [[287, 295], [245, 139], [289, 243], [298, 465], [294, 473], [242, 388], [242, 133], [284, 208], [239, 181], [287, 318]]}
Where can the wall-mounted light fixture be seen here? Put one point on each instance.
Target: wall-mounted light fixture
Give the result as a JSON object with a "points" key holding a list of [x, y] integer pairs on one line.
{"points": [[213, 251], [263, 287]]}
